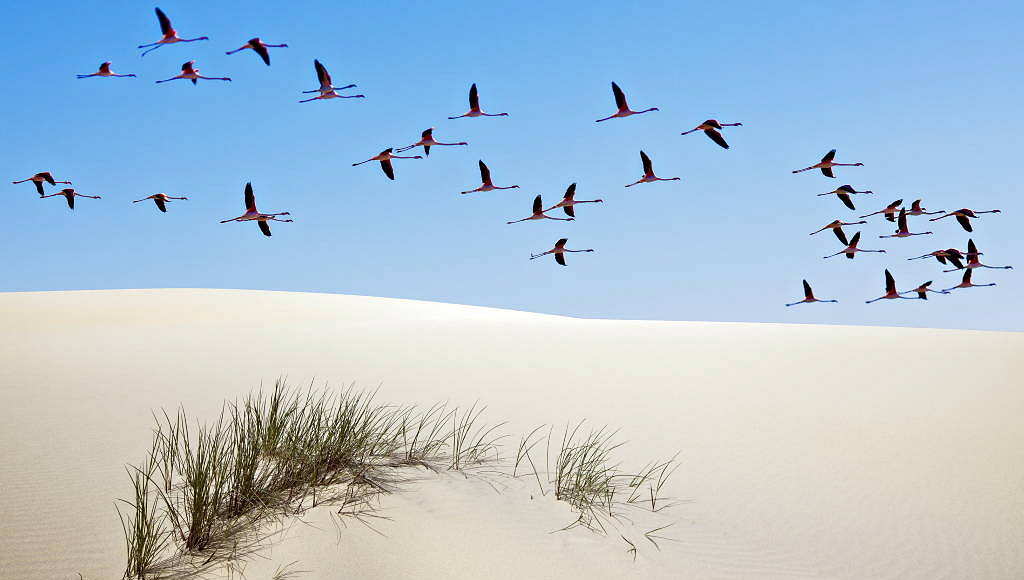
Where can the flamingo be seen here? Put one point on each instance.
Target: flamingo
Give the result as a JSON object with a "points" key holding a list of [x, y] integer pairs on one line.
{"points": [[851, 248], [259, 47], [966, 282], [487, 184], [973, 261], [826, 164], [559, 251], [538, 213], [474, 106], [620, 102], [253, 214], [962, 216], [916, 209], [569, 200], [954, 256], [427, 141], [170, 35], [902, 231], [837, 228], [160, 199], [809, 296], [843, 192], [39, 178], [649, 175], [327, 90], [890, 290], [923, 290], [711, 128], [889, 211], [385, 158], [191, 73], [70, 195], [103, 72]]}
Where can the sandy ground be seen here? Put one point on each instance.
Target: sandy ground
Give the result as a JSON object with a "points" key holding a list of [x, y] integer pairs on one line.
{"points": [[806, 451]]}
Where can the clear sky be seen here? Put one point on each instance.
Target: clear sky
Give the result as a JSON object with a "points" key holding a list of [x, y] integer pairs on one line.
{"points": [[926, 94]]}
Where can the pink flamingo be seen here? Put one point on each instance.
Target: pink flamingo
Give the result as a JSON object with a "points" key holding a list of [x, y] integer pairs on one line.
{"points": [[569, 200], [327, 90], [889, 211], [973, 261], [851, 248], [427, 141], [191, 73], [259, 47], [923, 290], [711, 128], [837, 228], [160, 199], [252, 214], [103, 72], [487, 184], [474, 106], [954, 256], [809, 296], [170, 35], [843, 192], [901, 229], [649, 175], [623, 106], [385, 158], [826, 164], [890, 290], [916, 209], [70, 195], [39, 178], [559, 251], [966, 282], [962, 216], [538, 213]]}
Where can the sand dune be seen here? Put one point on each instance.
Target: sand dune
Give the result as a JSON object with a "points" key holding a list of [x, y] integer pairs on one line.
{"points": [[806, 451]]}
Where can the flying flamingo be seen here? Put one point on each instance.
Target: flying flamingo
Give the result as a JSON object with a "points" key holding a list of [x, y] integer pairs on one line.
{"points": [[385, 158], [973, 261], [160, 199], [963, 214], [570, 200], [954, 256], [427, 141], [474, 106], [327, 90], [259, 47], [890, 290], [851, 249], [711, 128], [923, 290], [170, 35], [538, 213], [916, 209], [966, 282], [837, 228], [103, 72], [649, 175], [253, 214], [826, 164], [843, 192], [902, 231], [487, 184], [559, 251], [620, 102], [70, 195], [889, 211], [39, 178], [809, 296], [192, 74]]}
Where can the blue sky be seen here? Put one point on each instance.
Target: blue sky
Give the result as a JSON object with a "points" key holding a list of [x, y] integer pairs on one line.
{"points": [[926, 95]]}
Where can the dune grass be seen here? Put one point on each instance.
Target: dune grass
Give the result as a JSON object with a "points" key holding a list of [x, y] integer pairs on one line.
{"points": [[207, 491]]}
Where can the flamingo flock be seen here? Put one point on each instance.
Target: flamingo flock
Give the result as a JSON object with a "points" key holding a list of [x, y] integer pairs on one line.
{"points": [[966, 261]]}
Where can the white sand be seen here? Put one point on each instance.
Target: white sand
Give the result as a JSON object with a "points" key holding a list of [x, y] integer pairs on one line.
{"points": [[807, 451]]}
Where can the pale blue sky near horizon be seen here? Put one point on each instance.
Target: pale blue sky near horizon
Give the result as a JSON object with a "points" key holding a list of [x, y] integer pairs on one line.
{"points": [[926, 95]]}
